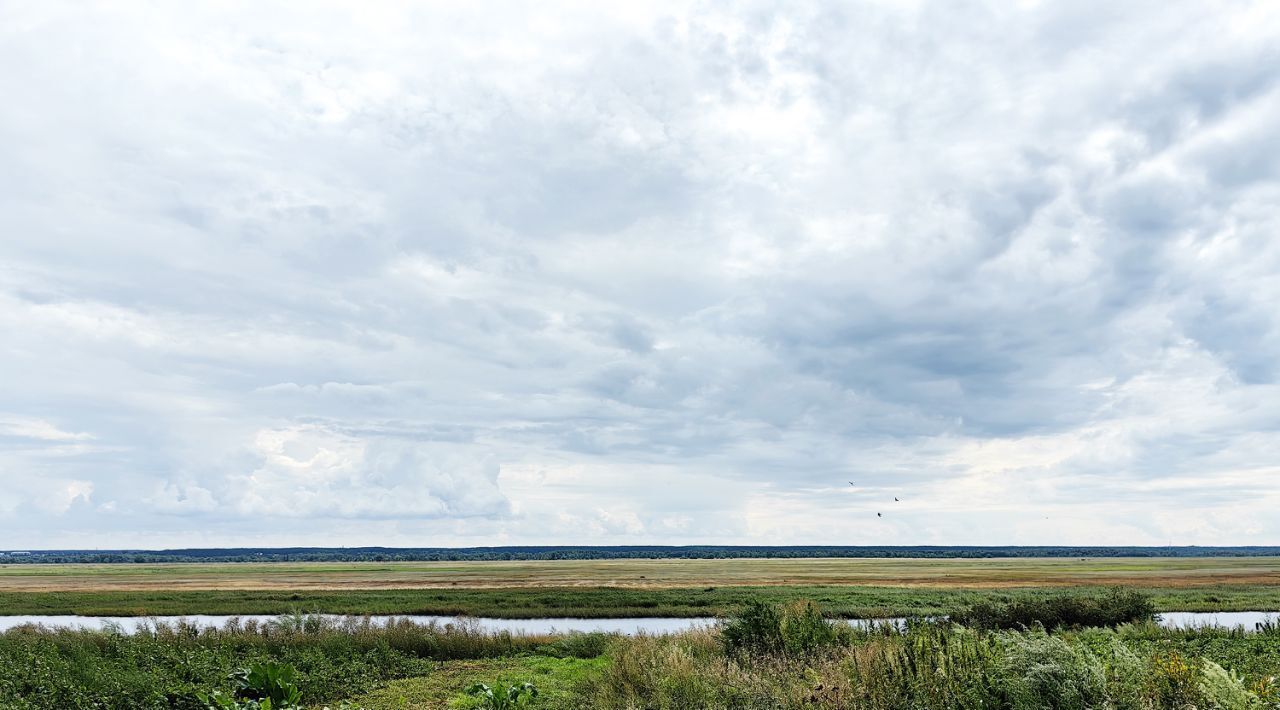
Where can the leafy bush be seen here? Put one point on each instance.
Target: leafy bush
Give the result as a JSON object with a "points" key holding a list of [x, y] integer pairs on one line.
{"points": [[756, 630], [1125, 670], [1037, 670], [509, 698], [805, 629], [264, 686], [1118, 606], [1175, 680], [762, 629], [1224, 690]]}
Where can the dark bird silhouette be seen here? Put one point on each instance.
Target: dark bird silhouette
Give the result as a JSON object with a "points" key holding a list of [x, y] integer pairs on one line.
{"points": [[895, 499], [879, 515], [851, 483]]}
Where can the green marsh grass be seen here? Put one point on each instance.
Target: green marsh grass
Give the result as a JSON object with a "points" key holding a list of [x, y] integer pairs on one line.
{"points": [[169, 665], [859, 602], [784, 656]]}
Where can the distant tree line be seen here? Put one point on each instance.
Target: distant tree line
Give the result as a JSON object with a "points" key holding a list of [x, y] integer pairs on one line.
{"points": [[446, 554]]}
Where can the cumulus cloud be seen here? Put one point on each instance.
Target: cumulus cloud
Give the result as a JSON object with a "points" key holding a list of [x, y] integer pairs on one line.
{"points": [[309, 471], [391, 274]]}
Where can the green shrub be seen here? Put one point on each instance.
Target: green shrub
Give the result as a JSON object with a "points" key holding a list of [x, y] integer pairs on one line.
{"points": [[1175, 680], [1224, 690], [273, 681], [805, 629], [1037, 670], [508, 698], [1124, 669], [264, 686], [762, 629], [756, 630], [1115, 607]]}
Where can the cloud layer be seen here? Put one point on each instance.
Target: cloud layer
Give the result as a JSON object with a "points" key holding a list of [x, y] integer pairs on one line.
{"points": [[377, 274]]}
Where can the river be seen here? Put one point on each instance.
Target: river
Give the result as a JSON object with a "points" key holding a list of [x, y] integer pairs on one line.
{"points": [[1247, 620]]}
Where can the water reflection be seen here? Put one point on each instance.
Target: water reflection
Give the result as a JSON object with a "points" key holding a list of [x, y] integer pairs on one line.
{"points": [[1247, 620]]}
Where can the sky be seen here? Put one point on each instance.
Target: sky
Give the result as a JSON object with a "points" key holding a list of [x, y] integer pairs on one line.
{"points": [[639, 273]]}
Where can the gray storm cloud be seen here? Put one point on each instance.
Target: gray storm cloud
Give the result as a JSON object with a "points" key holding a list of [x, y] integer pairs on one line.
{"points": [[385, 274]]}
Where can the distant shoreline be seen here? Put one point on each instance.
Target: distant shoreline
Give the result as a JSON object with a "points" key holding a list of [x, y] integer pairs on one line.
{"points": [[608, 552], [848, 587]]}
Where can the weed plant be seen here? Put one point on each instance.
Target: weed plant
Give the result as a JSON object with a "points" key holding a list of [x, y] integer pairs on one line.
{"points": [[171, 665]]}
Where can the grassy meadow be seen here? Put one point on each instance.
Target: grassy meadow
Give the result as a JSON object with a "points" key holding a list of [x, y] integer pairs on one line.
{"points": [[648, 574], [846, 587], [1036, 633], [765, 656], [634, 587], [839, 601]]}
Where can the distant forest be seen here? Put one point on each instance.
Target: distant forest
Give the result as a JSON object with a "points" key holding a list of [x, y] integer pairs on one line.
{"points": [[406, 554]]}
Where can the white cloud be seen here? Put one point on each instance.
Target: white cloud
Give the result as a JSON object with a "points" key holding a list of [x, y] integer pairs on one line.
{"points": [[579, 273], [39, 429], [310, 471]]}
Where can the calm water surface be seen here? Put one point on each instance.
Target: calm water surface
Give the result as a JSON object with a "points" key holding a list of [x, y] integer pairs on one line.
{"points": [[651, 625], [129, 624]]}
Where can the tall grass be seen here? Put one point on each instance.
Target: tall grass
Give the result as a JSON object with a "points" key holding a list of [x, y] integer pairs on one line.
{"points": [[773, 657], [794, 628], [168, 665], [936, 666], [1112, 608], [846, 601]]}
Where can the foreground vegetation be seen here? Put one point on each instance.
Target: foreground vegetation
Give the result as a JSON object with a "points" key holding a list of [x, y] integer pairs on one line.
{"points": [[172, 666], [942, 667], [856, 602], [764, 656]]}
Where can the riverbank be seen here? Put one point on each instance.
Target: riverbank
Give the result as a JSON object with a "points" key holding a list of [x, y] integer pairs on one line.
{"points": [[1246, 621], [854, 602], [788, 660]]}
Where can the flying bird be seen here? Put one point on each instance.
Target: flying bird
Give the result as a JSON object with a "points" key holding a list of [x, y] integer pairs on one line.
{"points": [[879, 515], [895, 499]]}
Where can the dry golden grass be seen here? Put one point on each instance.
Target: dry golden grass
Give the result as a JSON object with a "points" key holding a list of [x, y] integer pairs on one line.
{"points": [[646, 574]]}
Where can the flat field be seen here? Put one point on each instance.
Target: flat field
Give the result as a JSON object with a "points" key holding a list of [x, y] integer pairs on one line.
{"points": [[1000, 573], [849, 587]]}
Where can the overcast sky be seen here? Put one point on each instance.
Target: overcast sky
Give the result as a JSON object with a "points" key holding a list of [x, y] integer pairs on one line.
{"points": [[518, 274]]}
